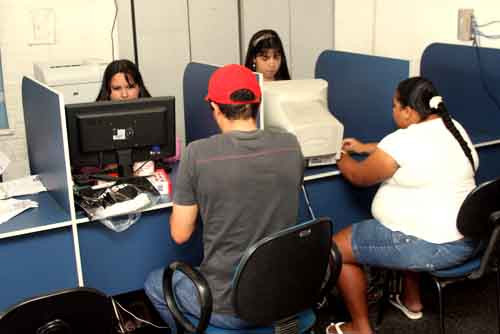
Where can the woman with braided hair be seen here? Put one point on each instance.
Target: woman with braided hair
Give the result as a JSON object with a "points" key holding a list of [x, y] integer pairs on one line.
{"points": [[426, 169]]}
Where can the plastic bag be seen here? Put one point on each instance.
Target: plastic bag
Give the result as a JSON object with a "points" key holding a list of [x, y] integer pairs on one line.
{"points": [[118, 206]]}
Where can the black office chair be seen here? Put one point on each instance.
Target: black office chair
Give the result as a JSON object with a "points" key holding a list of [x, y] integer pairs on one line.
{"points": [[479, 219], [69, 311], [276, 284]]}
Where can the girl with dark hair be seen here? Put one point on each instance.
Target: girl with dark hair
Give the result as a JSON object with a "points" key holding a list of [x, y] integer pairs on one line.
{"points": [[265, 55], [426, 169], [122, 81]]}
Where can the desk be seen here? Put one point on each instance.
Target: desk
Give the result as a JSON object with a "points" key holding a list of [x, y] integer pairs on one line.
{"points": [[49, 248]]}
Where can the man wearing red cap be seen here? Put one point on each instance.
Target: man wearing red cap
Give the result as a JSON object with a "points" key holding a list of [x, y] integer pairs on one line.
{"points": [[245, 184]]}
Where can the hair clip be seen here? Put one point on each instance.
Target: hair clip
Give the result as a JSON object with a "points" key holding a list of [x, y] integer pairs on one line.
{"points": [[261, 38], [435, 101]]}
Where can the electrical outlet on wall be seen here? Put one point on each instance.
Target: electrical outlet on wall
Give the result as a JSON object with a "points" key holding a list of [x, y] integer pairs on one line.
{"points": [[464, 32], [44, 26]]}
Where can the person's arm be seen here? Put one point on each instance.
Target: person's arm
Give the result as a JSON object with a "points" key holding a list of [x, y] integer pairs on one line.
{"points": [[377, 167], [356, 146], [183, 222]]}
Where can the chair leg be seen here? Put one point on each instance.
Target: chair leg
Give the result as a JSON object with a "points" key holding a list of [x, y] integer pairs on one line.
{"points": [[498, 298], [384, 300], [441, 305]]}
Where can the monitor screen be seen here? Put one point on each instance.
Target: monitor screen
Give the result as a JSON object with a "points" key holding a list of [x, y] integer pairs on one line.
{"points": [[121, 132]]}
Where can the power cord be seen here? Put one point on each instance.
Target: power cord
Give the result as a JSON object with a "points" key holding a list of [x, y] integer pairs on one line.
{"points": [[476, 33], [122, 330]]}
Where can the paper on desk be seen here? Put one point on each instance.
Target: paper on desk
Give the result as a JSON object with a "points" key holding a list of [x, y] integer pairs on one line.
{"points": [[22, 186], [12, 207]]}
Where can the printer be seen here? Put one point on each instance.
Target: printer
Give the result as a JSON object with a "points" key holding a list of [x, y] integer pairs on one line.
{"points": [[301, 107], [78, 81]]}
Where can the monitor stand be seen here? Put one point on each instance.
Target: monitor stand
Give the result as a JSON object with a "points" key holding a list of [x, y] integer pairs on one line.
{"points": [[124, 162]]}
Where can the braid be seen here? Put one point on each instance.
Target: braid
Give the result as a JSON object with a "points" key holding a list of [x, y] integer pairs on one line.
{"points": [[445, 116]]}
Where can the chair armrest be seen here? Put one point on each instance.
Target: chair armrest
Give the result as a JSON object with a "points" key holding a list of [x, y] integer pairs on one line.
{"points": [[494, 219], [202, 288]]}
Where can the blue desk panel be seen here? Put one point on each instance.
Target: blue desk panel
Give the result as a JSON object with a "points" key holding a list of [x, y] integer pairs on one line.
{"points": [[360, 91], [48, 212], [36, 264], [336, 198], [455, 71], [120, 262]]}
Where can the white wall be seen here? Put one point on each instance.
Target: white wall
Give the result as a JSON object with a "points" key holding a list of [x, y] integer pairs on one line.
{"points": [[403, 29], [82, 30]]}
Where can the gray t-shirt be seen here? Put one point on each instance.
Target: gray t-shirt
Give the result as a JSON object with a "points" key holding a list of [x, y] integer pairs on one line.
{"points": [[246, 185]]}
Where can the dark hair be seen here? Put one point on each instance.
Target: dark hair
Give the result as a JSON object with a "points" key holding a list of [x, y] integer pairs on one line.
{"points": [[262, 41], [416, 93], [242, 110], [121, 66]]}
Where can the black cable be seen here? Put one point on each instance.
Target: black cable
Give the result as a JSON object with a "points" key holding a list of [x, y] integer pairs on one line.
{"points": [[134, 33]]}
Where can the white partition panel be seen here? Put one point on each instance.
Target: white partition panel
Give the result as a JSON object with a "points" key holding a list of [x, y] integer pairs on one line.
{"points": [[163, 49], [311, 32], [214, 31]]}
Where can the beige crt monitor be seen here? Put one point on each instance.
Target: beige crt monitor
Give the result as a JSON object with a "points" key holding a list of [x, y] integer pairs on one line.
{"points": [[301, 107]]}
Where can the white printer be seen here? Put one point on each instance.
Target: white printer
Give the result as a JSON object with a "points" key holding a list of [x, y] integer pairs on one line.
{"points": [[301, 107], [79, 81]]}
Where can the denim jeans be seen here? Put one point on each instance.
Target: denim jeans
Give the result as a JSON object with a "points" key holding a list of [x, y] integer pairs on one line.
{"points": [[374, 244], [187, 301]]}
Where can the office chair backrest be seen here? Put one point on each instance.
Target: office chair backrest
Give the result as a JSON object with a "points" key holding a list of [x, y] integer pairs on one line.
{"points": [[479, 218], [74, 311], [473, 219], [282, 275]]}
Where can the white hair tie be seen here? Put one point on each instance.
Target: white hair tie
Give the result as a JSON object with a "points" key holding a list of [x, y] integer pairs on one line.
{"points": [[435, 101]]}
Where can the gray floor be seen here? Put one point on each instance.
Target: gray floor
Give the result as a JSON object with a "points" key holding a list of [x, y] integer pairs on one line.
{"points": [[470, 308]]}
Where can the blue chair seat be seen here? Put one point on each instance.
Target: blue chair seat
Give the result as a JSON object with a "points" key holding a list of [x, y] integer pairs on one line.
{"points": [[459, 271], [306, 321]]}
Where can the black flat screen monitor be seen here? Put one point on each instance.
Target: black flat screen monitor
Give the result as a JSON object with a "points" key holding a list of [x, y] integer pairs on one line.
{"points": [[121, 132]]}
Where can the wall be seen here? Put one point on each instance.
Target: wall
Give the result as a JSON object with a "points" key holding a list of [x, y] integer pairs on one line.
{"points": [[82, 30], [403, 29]]}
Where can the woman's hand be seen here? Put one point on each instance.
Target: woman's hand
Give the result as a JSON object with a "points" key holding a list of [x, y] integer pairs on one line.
{"points": [[352, 145], [355, 146]]}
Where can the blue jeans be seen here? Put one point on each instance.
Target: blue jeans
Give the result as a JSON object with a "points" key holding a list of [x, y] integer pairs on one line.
{"points": [[374, 244], [187, 301]]}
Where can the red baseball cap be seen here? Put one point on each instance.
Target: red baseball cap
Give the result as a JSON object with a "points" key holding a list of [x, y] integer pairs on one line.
{"points": [[228, 79]]}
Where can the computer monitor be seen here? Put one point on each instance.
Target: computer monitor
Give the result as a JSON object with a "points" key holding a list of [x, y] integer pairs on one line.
{"points": [[301, 107], [121, 132]]}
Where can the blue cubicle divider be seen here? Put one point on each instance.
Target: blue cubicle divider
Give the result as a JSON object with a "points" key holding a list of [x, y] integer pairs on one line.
{"points": [[43, 108], [360, 91], [456, 73], [197, 114]]}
